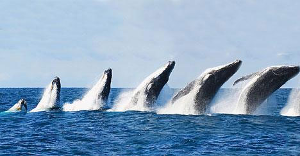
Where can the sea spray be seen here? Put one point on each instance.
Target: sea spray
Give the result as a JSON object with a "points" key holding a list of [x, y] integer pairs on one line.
{"points": [[226, 102], [293, 105], [164, 96], [95, 98], [124, 103], [184, 105]]}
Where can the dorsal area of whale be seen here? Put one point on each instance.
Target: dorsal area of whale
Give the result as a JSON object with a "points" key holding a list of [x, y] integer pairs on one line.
{"points": [[51, 97], [262, 84], [19, 106], [147, 92], [200, 92], [96, 97]]}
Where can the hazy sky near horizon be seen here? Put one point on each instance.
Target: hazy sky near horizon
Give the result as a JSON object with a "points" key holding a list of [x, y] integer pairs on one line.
{"points": [[78, 39]]}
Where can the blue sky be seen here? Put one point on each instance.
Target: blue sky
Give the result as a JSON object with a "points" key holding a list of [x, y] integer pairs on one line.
{"points": [[78, 39]]}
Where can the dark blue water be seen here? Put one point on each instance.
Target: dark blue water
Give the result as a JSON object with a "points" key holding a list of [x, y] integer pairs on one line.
{"points": [[142, 133]]}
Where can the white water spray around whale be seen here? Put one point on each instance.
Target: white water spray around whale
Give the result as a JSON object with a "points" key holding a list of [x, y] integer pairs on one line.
{"points": [[184, 105], [293, 105]]}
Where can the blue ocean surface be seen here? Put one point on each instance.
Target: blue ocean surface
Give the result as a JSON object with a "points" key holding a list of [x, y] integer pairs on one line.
{"points": [[142, 133]]}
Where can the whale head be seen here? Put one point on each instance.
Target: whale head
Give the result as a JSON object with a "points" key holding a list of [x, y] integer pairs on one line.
{"points": [[285, 72], [56, 82], [56, 87], [23, 104], [108, 73], [208, 84], [19, 106], [151, 87], [168, 68], [219, 75], [106, 79]]}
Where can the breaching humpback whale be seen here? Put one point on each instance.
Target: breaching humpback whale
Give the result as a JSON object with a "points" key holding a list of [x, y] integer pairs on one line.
{"points": [[106, 83], [148, 91], [205, 87], [18, 106], [51, 97], [96, 97], [262, 84]]}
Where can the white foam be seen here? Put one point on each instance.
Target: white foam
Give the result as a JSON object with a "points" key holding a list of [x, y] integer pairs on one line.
{"points": [[184, 105], [235, 101], [48, 100], [228, 103], [293, 106], [90, 101], [165, 95]]}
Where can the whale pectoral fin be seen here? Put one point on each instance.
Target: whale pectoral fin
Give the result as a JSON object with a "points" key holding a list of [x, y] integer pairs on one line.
{"points": [[244, 78], [184, 91]]}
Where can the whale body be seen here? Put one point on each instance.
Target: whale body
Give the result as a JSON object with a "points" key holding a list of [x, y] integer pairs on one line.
{"points": [[51, 97], [262, 84], [204, 88], [148, 91], [18, 106], [96, 97]]}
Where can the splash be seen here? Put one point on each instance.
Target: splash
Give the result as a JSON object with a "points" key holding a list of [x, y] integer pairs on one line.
{"points": [[124, 103], [48, 100], [184, 105], [233, 101], [164, 96], [293, 106], [91, 100], [226, 102]]}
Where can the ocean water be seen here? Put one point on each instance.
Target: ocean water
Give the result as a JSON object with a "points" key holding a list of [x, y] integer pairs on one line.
{"points": [[143, 133]]}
